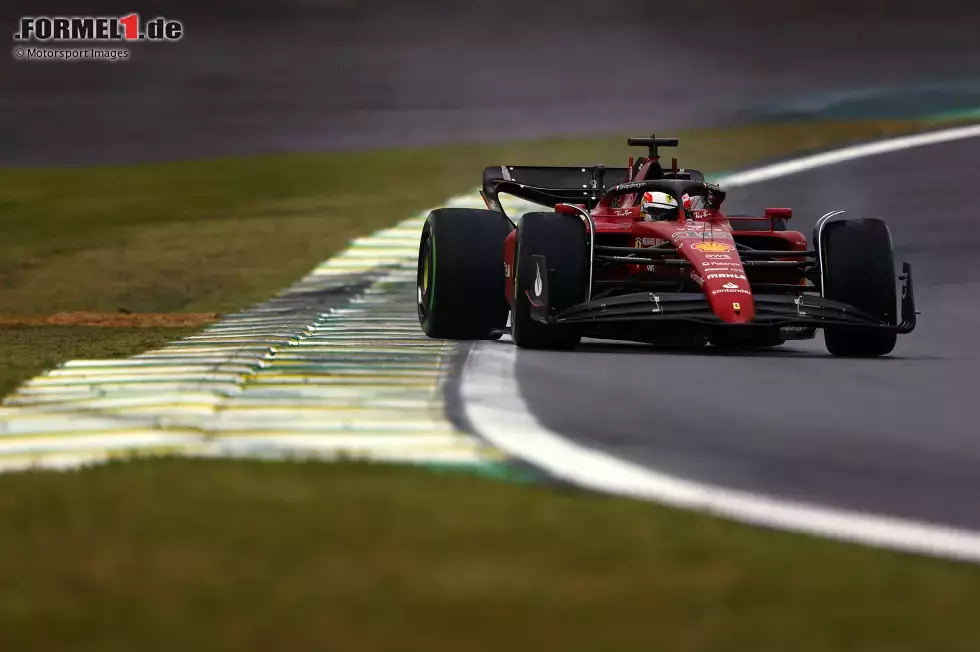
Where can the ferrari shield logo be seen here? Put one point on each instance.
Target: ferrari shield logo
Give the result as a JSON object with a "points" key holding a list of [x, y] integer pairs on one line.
{"points": [[714, 247]]}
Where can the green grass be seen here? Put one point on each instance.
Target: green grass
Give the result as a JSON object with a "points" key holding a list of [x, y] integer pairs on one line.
{"points": [[194, 555], [26, 351]]}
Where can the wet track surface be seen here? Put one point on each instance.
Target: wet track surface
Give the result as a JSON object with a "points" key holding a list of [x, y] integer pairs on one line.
{"points": [[897, 436], [260, 76]]}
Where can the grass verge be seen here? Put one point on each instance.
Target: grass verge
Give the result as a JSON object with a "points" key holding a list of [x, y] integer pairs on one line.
{"points": [[26, 351], [222, 555]]}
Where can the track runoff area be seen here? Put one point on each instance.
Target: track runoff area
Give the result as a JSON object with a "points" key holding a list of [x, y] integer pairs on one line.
{"points": [[336, 367]]}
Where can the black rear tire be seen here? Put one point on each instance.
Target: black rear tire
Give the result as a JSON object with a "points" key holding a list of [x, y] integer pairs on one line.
{"points": [[562, 240], [460, 282], [859, 269]]}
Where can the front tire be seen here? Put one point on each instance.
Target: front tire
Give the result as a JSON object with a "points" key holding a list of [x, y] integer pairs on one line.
{"points": [[562, 240], [859, 270], [460, 284]]}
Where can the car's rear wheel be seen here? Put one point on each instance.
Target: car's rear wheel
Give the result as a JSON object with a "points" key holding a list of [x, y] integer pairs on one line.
{"points": [[562, 240], [460, 284], [859, 270]]}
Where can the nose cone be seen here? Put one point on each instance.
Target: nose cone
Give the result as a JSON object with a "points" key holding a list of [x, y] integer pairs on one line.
{"points": [[730, 300], [723, 279]]}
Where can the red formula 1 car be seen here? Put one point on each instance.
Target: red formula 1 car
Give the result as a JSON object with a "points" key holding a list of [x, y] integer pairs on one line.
{"points": [[645, 253]]}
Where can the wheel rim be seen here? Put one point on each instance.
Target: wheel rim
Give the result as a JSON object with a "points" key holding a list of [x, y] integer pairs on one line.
{"points": [[425, 272]]}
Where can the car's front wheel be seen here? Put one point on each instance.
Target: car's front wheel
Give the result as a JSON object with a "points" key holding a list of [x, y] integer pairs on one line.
{"points": [[562, 241], [859, 270]]}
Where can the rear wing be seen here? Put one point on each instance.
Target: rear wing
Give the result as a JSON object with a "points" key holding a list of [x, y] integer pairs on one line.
{"points": [[550, 185]]}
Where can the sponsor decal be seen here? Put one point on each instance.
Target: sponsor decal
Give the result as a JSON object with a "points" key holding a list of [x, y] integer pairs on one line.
{"points": [[622, 212], [697, 279], [713, 247], [718, 256], [647, 242], [730, 288], [506, 270], [741, 276], [538, 283], [636, 185], [701, 234], [731, 270], [737, 306]]}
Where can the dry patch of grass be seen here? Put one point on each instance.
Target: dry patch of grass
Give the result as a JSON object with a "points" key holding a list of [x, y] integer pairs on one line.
{"points": [[26, 351]]}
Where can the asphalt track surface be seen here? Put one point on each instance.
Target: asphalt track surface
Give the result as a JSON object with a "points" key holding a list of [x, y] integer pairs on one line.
{"points": [[896, 436], [279, 75]]}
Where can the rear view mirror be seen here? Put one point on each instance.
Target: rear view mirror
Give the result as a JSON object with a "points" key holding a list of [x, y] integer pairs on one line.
{"points": [[779, 213], [569, 209]]}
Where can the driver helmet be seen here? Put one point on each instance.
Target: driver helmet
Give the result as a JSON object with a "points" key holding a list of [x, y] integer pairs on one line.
{"points": [[658, 206]]}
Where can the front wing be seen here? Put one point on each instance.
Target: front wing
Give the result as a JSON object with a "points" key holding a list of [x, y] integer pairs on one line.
{"points": [[770, 309]]}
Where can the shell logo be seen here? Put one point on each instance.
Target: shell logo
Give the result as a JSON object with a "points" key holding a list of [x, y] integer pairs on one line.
{"points": [[714, 247]]}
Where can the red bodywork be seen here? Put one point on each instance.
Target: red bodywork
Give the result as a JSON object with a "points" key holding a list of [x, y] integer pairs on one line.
{"points": [[707, 241]]}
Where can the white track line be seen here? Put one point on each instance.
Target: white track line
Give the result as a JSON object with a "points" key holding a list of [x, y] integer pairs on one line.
{"points": [[833, 157], [496, 410]]}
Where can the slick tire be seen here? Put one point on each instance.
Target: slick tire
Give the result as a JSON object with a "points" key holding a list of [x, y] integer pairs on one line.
{"points": [[460, 285], [859, 269], [562, 240]]}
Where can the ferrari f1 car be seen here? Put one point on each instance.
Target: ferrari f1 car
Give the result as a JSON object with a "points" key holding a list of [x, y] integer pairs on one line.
{"points": [[605, 262]]}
